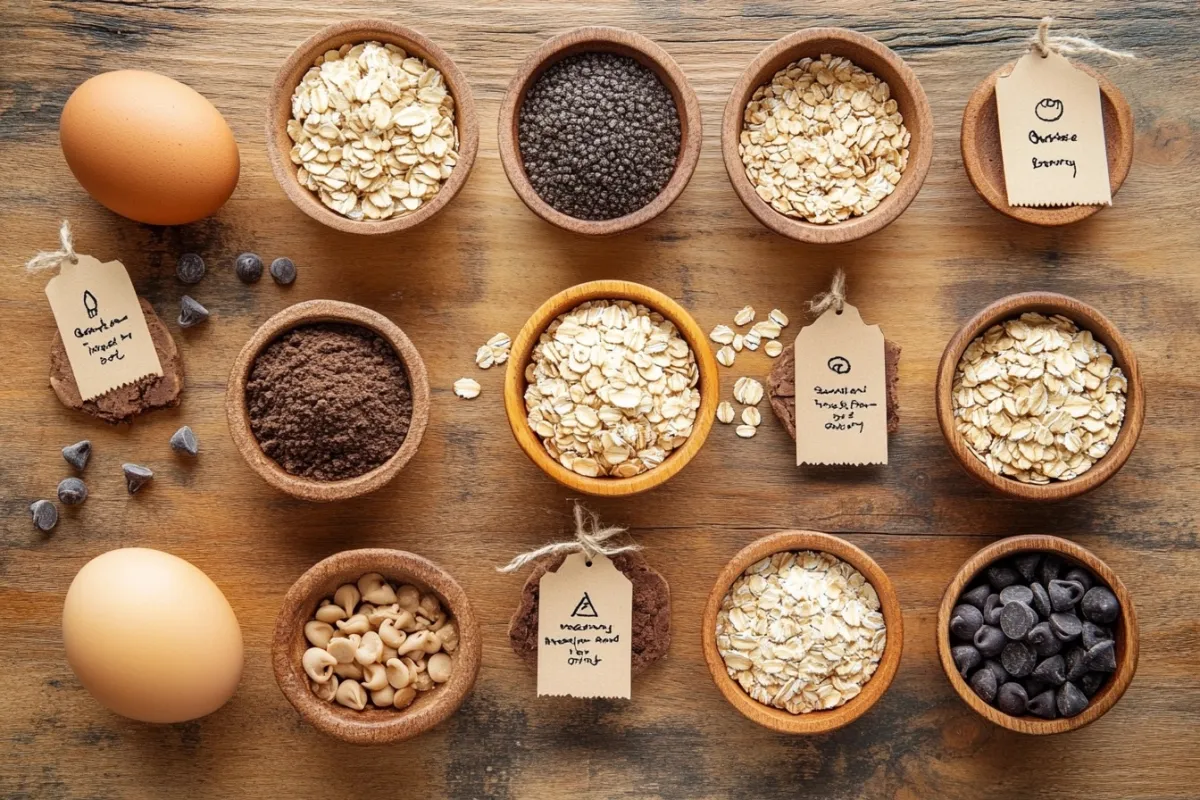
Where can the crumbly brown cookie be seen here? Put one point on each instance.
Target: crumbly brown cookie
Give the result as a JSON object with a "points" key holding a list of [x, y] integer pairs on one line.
{"points": [[125, 402], [651, 611], [781, 387]]}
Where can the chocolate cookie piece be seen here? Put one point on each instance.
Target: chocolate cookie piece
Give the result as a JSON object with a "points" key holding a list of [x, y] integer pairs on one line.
{"points": [[651, 611], [781, 386], [125, 402]]}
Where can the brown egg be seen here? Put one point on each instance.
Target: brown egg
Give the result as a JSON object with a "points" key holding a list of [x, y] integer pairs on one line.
{"points": [[148, 147]]}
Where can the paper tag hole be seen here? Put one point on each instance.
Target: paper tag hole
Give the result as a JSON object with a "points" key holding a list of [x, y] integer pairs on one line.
{"points": [[588, 563]]}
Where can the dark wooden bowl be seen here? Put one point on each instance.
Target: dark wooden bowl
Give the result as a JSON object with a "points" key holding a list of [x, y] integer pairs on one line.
{"points": [[872, 56], [980, 144], [373, 725], [1125, 634], [279, 111], [778, 719], [308, 313], [1085, 317], [600, 40]]}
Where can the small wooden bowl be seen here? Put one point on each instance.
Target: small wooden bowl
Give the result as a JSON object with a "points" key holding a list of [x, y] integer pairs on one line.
{"points": [[309, 313], [522, 353], [373, 725], [985, 166], [778, 719], [279, 111], [1125, 634], [1105, 332], [600, 40], [872, 56]]}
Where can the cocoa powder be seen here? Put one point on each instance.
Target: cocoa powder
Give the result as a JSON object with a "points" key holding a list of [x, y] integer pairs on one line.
{"points": [[329, 401]]}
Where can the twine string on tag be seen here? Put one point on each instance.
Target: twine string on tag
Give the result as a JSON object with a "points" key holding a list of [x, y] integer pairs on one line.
{"points": [[590, 539], [54, 258], [1045, 44], [835, 298]]}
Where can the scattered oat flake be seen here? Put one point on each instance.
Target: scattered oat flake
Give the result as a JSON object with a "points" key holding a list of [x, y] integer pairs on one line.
{"points": [[726, 356], [778, 317], [467, 388], [751, 416], [722, 334], [484, 358], [746, 431], [773, 348], [725, 412], [745, 316], [748, 391]]}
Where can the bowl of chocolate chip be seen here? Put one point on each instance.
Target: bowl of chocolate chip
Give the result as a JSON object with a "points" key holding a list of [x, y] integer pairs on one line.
{"points": [[328, 400]]}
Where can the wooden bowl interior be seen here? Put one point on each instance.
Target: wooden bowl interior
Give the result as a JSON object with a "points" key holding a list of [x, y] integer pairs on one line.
{"points": [[1125, 633], [1105, 332], [522, 354], [817, 721], [311, 313], [373, 725], [279, 110]]}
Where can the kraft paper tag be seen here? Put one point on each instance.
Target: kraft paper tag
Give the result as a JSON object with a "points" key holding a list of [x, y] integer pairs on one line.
{"points": [[1052, 134], [585, 628], [841, 391], [102, 325]]}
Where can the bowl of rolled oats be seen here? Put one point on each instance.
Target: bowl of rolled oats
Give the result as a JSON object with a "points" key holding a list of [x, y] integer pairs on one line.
{"points": [[371, 127], [611, 388], [827, 136], [802, 632], [1039, 396]]}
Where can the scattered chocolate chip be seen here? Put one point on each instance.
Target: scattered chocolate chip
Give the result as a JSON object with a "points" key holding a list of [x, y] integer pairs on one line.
{"points": [[1017, 594], [190, 312], [984, 684], [1017, 619], [1070, 700], [1100, 605], [1043, 705], [1049, 570], [136, 476], [1093, 634], [1052, 671], [1066, 626], [1026, 564], [1001, 575], [1012, 699], [283, 271], [1080, 576], [1043, 641], [77, 454], [965, 620], [1018, 659], [249, 268], [966, 658], [45, 515], [991, 609], [977, 596], [190, 268], [1041, 600], [990, 641], [72, 491], [1102, 657], [184, 441], [1064, 595], [1091, 682], [1077, 663]]}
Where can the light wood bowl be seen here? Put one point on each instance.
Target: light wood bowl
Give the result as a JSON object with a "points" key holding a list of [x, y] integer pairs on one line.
{"points": [[872, 56], [373, 725], [1105, 332], [309, 313], [522, 353], [980, 144], [778, 719], [600, 40], [279, 111], [1125, 634]]}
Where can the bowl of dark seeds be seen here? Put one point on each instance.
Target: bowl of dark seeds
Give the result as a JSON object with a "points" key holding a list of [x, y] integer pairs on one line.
{"points": [[1038, 635], [599, 131], [328, 400]]}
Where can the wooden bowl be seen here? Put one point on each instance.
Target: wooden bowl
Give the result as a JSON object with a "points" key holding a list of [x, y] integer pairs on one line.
{"points": [[985, 166], [373, 725], [279, 111], [872, 56], [308, 313], [600, 40], [778, 719], [1125, 634], [1105, 332], [522, 352]]}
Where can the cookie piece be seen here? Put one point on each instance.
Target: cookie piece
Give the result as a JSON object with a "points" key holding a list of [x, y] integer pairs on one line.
{"points": [[651, 611], [781, 386], [125, 402]]}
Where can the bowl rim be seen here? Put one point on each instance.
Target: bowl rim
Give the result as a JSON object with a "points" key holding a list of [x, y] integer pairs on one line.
{"points": [[815, 722], [1083, 315], [601, 38], [795, 46], [312, 312], [522, 351], [1128, 647], [346, 567], [279, 111]]}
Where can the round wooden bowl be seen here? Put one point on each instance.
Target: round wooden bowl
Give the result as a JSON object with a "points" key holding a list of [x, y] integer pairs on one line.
{"points": [[980, 144], [1125, 633], [309, 313], [1085, 317], [600, 40], [279, 111], [522, 352], [778, 719], [373, 725], [872, 56]]}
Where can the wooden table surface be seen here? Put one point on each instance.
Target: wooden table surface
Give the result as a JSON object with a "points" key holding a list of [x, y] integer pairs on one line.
{"points": [[470, 500]]}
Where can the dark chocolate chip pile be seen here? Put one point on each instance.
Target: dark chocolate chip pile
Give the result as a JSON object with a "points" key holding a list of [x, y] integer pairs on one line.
{"points": [[1035, 636]]}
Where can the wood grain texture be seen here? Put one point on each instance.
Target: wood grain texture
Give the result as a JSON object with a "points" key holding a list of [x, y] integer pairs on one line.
{"points": [[470, 499]]}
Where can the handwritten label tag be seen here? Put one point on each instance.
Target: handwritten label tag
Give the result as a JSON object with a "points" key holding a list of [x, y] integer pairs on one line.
{"points": [[102, 326], [585, 627], [1052, 134], [841, 391]]}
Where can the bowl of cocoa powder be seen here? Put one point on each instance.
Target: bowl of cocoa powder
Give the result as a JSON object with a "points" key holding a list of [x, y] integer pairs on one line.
{"points": [[328, 400]]}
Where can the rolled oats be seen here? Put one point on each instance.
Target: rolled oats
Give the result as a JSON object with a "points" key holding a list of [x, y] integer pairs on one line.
{"points": [[773, 348], [746, 431], [725, 412], [467, 388], [726, 356], [751, 416], [722, 334], [747, 391], [778, 317], [744, 317]]}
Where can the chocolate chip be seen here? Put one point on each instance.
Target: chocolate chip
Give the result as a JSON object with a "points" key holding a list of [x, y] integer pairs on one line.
{"points": [[1091, 682], [249, 268], [990, 641], [1051, 567], [1018, 659], [977, 596], [1041, 600], [1016, 594], [283, 271], [1027, 564], [1043, 641], [72, 491], [1080, 576], [1001, 575], [1070, 700], [1012, 699], [1077, 663], [45, 515], [77, 454], [190, 312], [984, 684], [1052, 671], [1043, 705], [1066, 626], [190, 268], [1102, 657], [991, 609], [136, 476], [1093, 634], [184, 441], [1033, 687], [1100, 605], [1016, 620], [966, 658], [997, 669], [1064, 595], [965, 620]]}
